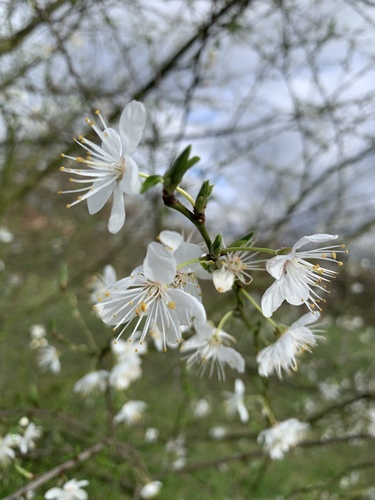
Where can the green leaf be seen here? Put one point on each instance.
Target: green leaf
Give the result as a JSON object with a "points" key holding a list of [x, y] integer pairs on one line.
{"points": [[173, 176], [244, 240], [203, 196], [151, 181], [217, 246]]}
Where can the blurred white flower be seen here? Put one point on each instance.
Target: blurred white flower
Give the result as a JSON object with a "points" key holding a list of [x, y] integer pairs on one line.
{"points": [[126, 372], [5, 235], [37, 331], [100, 283], [71, 490], [329, 391], [7, 443], [150, 490], [131, 412], [30, 435], [151, 435], [49, 359], [296, 278], [218, 432], [211, 347], [92, 383], [38, 336], [235, 401], [202, 408], [277, 440], [176, 448], [282, 354], [149, 294], [111, 170]]}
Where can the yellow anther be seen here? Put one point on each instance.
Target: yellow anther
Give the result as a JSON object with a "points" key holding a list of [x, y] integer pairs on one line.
{"points": [[346, 251], [171, 305], [324, 255], [62, 155], [334, 255], [165, 349], [343, 246], [62, 169], [68, 205], [87, 120], [79, 198], [130, 340], [140, 343], [71, 179], [97, 112], [59, 192], [135, 350], [340, 263], [144, 306], [107, 294]]}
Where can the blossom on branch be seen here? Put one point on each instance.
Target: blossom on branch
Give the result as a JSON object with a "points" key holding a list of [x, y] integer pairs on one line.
{"points": [[278, 439], [92, 383], [282, 354], [49, 359], [235, 401], [235, 265], [296, 278], [131, 412], [7, 443], [211, 346], [111, 170], [30, 434], [71, 490], [149, 294], [150, 490]]}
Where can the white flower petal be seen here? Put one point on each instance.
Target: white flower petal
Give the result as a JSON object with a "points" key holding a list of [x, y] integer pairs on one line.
{"points": [[159, 264], [99, 197], [130, 182], [132, 124], [272, 299], [117, 217], [315, 238], [171, 239], [275, 266], [111, 143], [186, 252], [186, 302], [223, 279]]}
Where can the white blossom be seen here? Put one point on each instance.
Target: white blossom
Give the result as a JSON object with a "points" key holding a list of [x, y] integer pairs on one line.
{"points": [[235, 265], [71, 490], [151, 435], [30, 435], [49, 359], [282, 355], [5, 235], [150, 490], [235, 401], [277, 440], [125, 372], [131, 412], [297, 279], [149, 294], [202, 408], [7, 443], [111, 170], [92, 383], [100, 284], [38, 336], [211, 346]]}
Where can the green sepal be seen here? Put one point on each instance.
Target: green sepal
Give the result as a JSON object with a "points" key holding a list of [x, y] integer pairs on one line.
{"points": [[151, 181], [203, 196], [209, 266], [217, 246], [173, 176], [283, 251], [243, 241]]}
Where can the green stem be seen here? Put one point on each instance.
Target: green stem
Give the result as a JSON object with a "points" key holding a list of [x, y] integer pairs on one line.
{"points": [[257, 306], [142, 175], [223, 320], [248, 249], [192, 261]]}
